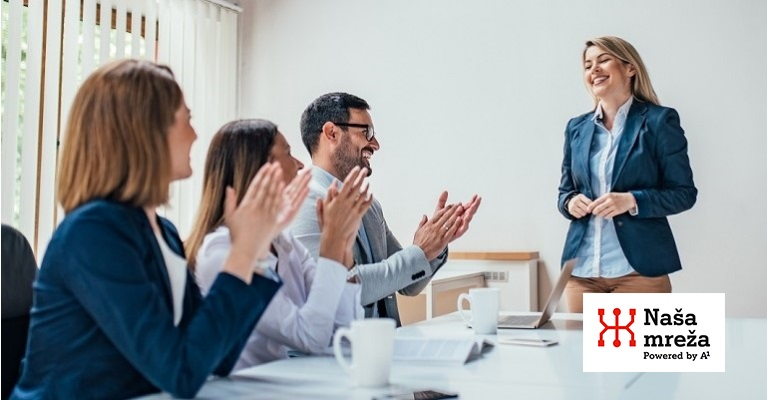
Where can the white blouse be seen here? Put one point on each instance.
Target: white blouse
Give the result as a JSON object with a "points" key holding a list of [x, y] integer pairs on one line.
{"points": [[177, 274], [313, 302]]}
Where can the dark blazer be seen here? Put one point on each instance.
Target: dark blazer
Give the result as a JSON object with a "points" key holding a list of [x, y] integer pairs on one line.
{"points": [[102, 319], [652, 164]]}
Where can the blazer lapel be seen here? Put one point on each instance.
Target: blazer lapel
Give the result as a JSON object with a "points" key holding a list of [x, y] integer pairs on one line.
{"points": [[635, 121], [371, 224], [358, 251], [580, 154]]}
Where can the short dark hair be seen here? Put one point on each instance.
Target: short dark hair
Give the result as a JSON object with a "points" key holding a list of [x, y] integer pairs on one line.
{"points": [[333, 107]]}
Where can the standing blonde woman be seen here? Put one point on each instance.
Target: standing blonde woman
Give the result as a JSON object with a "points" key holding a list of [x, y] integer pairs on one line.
{"points": [[116, 313], [625, 169], [316, 297]]}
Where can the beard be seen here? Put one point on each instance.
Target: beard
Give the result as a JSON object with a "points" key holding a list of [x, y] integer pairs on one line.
{"points": [[347, 157]]}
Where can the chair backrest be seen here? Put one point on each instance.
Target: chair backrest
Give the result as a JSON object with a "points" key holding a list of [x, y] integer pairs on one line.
{"points": [[19, 269]]}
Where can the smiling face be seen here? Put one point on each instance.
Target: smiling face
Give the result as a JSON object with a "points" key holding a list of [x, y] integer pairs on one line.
{"points": [[281, 153], [606, 76], [354, 149], [181, 135]]}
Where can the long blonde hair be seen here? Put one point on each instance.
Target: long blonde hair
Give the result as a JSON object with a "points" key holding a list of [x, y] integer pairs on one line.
{"points": [[640, 86], [236, 153], [115, 143]]}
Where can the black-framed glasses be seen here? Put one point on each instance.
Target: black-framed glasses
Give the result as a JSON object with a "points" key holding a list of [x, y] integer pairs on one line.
{"points": [[368, 129]]}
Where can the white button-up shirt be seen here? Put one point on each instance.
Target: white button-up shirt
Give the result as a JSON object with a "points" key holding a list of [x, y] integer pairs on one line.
{"points": [[177, 275], [313, 302], [600, 253]]}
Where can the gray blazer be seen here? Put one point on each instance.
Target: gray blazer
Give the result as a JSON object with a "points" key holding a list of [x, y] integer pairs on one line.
{"points": [[391, 268]]}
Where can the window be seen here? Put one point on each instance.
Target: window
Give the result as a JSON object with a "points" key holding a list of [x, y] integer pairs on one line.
{"points": [[49, 47]]}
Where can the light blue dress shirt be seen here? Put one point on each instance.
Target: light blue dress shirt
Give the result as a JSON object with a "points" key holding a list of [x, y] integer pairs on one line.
{"points": [[600, 253], [360, 231]]}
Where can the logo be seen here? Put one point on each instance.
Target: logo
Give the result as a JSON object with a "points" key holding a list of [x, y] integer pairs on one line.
{"points": [[616, 327], [654, 332]]}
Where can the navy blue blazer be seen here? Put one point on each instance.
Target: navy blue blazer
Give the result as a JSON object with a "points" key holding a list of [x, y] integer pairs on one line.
{"points": [[102, 318], [652, 164]]}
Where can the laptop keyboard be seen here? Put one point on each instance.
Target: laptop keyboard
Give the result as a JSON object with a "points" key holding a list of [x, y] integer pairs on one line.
{"points": [[518, 320]]}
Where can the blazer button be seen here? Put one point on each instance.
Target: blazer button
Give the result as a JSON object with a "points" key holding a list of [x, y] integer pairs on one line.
{"points": [[619, 223]]}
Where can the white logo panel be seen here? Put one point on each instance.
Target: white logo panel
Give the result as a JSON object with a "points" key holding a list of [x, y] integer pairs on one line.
{"points": [[654, 332]]}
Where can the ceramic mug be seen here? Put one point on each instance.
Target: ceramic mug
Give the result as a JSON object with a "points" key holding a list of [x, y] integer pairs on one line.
{"points": [[484, 306], [371, 343]]}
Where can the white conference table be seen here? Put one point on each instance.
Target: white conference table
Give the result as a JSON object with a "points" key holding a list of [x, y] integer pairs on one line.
{"points": [[511, 372]]}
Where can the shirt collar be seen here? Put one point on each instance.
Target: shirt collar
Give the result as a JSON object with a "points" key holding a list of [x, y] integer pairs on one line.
{"points": [[322, 176], [283, 242], [620, 115]]}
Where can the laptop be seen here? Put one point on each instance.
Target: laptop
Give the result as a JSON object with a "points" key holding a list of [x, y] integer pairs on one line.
{"points": [[533, 321]]}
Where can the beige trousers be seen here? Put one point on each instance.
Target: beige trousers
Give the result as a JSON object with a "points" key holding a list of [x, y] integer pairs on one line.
{"points": [[632, 283]]}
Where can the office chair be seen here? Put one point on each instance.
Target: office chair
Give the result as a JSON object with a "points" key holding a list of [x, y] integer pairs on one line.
{"points": [[19, 269]]}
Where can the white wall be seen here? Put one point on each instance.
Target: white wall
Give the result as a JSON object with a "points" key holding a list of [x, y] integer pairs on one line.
{"points": [[473, 97]]}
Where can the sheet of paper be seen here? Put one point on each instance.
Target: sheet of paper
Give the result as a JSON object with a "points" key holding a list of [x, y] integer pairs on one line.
{"points": [[437, 350]]}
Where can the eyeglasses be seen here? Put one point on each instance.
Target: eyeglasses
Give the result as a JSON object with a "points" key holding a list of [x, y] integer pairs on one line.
{"points": [[368, 129]]}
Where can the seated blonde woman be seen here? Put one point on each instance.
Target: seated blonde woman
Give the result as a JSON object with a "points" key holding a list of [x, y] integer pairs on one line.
{"points": [[315, 297]]}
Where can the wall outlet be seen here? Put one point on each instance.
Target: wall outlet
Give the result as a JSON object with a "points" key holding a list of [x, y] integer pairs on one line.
{"points": [[495, 276]]}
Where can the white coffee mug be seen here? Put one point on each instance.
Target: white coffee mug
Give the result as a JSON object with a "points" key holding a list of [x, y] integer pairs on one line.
{"points": [[371, 342], [484, 303]]}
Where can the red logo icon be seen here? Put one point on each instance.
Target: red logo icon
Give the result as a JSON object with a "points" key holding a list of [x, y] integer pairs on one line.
{"points": [[616, 327]]}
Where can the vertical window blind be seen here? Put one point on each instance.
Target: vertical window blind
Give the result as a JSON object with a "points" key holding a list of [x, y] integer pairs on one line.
{"points": [[50, 47]]}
